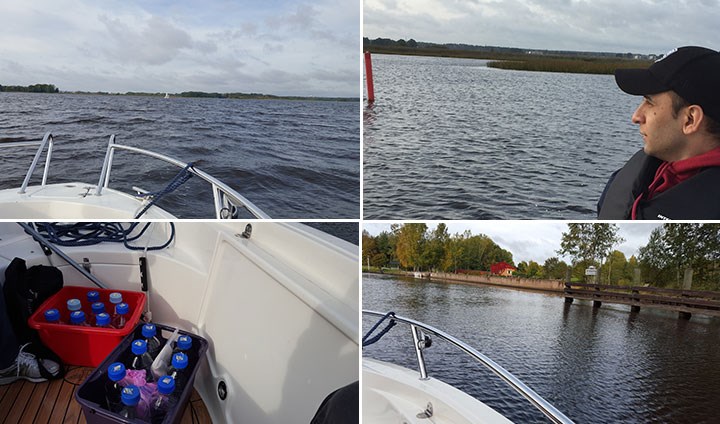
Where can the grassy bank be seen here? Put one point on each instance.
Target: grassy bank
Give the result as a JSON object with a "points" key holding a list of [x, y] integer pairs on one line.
{"points": [[522, 61]]}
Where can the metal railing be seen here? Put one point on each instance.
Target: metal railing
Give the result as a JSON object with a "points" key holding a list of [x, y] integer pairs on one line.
{"points": [[225, 199], [419, 329]]}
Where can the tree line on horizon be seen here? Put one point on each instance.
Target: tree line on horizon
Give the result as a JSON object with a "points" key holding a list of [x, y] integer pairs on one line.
{"points": [[672, 251], [33, 88]]}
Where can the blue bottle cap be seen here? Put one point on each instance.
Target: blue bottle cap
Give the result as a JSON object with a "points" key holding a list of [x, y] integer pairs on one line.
{"points": [[115, 297], [93, 296], [130, 395], [73, 305], [122, 308], [139, 347], [52, 315], [102, 319], [116, 371], [97, 307], [77, 317], [184, 342], [179, 361], [148, 330], [166, 385]]}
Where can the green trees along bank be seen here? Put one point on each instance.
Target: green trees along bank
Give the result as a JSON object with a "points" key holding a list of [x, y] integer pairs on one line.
{"points": [[34, 88], [672, 252]]}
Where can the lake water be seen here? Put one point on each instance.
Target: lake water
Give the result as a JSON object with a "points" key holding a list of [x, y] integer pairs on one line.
{"points": [[453, 139], [293, 159], [601, 365]]}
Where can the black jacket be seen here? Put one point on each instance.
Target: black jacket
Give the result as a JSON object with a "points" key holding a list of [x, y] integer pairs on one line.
{"points": [[695, 198]]}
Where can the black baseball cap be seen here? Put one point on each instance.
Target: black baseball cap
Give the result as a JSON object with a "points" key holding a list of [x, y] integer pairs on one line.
{"points": [[691, 72]]}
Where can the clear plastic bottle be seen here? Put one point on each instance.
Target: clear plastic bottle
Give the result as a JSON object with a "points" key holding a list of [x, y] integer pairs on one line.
{"points": [[120, 317], [183, 344], [141, 359], [178, 369], [52, 316], [78, 318], [97, 308], [130, 398], [113, 387], [164, 401], [72, 306], [115, 300], [149, 331], [102, 320]]}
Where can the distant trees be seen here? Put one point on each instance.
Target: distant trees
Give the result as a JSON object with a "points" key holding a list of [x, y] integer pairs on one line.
{"points": [[676, 255], [34, 88], [414, 247]]}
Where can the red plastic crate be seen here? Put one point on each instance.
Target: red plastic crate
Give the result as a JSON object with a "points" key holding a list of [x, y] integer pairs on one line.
{"points": [[85, 346]]}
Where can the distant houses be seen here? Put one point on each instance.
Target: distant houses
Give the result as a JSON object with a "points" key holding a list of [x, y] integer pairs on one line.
{"points": [[503, 269]]}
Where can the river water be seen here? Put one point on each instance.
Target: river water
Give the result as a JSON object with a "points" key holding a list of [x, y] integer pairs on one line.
{"points": [[453, 139], [601, 365], [293, 159]]}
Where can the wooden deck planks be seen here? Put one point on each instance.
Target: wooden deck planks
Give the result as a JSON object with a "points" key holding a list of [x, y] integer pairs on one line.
{"points": [[24, 402]]}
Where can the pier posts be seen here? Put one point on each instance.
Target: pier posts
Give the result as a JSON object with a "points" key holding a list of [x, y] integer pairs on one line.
{"points": [[568, 279]]}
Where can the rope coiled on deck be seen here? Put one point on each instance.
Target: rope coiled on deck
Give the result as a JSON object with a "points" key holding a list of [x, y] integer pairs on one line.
{"points": [[91, 233]]}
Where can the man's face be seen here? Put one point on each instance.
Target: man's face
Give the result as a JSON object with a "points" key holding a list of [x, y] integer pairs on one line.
{"points": [[662, 133]]}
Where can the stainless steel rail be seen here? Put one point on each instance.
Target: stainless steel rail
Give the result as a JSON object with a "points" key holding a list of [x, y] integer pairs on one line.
{"points": [[541, 404], [224, 197]]}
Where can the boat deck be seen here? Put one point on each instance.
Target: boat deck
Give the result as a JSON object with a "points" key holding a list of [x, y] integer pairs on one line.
{"points": [[54, 402]]}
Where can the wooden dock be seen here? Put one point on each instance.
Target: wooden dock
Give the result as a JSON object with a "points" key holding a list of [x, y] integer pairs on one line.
{"points": [[54, 401], [685, 302]]}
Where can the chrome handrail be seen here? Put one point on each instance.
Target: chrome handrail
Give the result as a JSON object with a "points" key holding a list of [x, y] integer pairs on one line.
{"points": [[46, 141], [541, 404], [225, 199]]}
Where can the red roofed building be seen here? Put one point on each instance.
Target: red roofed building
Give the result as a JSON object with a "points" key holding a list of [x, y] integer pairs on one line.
{"points": [[502, 268]]}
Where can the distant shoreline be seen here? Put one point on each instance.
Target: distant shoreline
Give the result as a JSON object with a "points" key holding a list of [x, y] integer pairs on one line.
{"points": [[188, 94], [555, 62]]}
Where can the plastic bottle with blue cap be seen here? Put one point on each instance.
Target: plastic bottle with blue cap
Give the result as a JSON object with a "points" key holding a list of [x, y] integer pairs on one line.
{"points": [[52, 316], [115, 299], [97, 308], [183, 344], [177, 370], [130, 398], [72, 306], [78, 318], [141, 359], [164, 401], [119, 319], [149, 331], [102, 320], [113, 387], [93, 296]]}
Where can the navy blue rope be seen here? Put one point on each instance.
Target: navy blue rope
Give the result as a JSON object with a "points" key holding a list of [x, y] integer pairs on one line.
{"points": [[176, 182], [91, 233], [391, 324]]}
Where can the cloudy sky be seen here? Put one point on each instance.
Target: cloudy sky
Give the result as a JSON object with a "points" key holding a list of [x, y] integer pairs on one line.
{"points": [[644, 26], [533, 240], [280, 47]]}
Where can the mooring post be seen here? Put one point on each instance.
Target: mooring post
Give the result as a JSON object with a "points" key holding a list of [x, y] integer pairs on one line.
{"points": [[635, 298], [568, 279], [685, 315], [369, 78]]}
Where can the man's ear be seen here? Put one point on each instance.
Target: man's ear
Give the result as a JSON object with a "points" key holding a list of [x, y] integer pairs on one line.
{"points": [[693, 118]]}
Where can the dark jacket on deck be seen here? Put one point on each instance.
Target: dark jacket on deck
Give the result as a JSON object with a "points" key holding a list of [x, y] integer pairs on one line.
{"points": [[695, 198]]}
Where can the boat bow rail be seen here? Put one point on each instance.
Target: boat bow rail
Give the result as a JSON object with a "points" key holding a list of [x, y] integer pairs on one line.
{"points": [[227, 201], [421, 341]]}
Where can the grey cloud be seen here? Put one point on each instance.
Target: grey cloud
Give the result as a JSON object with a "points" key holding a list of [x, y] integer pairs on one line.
{"points": [[157, 43]]}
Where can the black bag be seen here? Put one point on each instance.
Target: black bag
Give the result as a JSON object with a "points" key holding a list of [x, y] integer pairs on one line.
{"points": [[25, 290]]}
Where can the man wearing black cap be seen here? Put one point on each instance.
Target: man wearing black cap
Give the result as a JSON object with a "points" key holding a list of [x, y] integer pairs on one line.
{"points": [[677, 174]]}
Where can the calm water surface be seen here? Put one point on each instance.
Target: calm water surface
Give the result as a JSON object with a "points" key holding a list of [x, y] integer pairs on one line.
{"points": [[293, 159], [596, 365], [453, 139]]}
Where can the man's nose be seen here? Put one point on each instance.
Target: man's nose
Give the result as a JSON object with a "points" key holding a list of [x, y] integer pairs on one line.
{"points": [[638, 117]]}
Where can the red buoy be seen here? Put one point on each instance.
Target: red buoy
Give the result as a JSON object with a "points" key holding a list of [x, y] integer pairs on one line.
{"points": [[369, 78]]}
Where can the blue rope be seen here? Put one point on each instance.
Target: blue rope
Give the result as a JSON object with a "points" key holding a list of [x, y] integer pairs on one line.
{"points": [[391, 324], [91, 233], [176, 182]]}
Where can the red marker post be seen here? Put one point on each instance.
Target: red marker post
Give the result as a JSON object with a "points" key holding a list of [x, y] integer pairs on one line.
{"points": [[369, 78]]}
